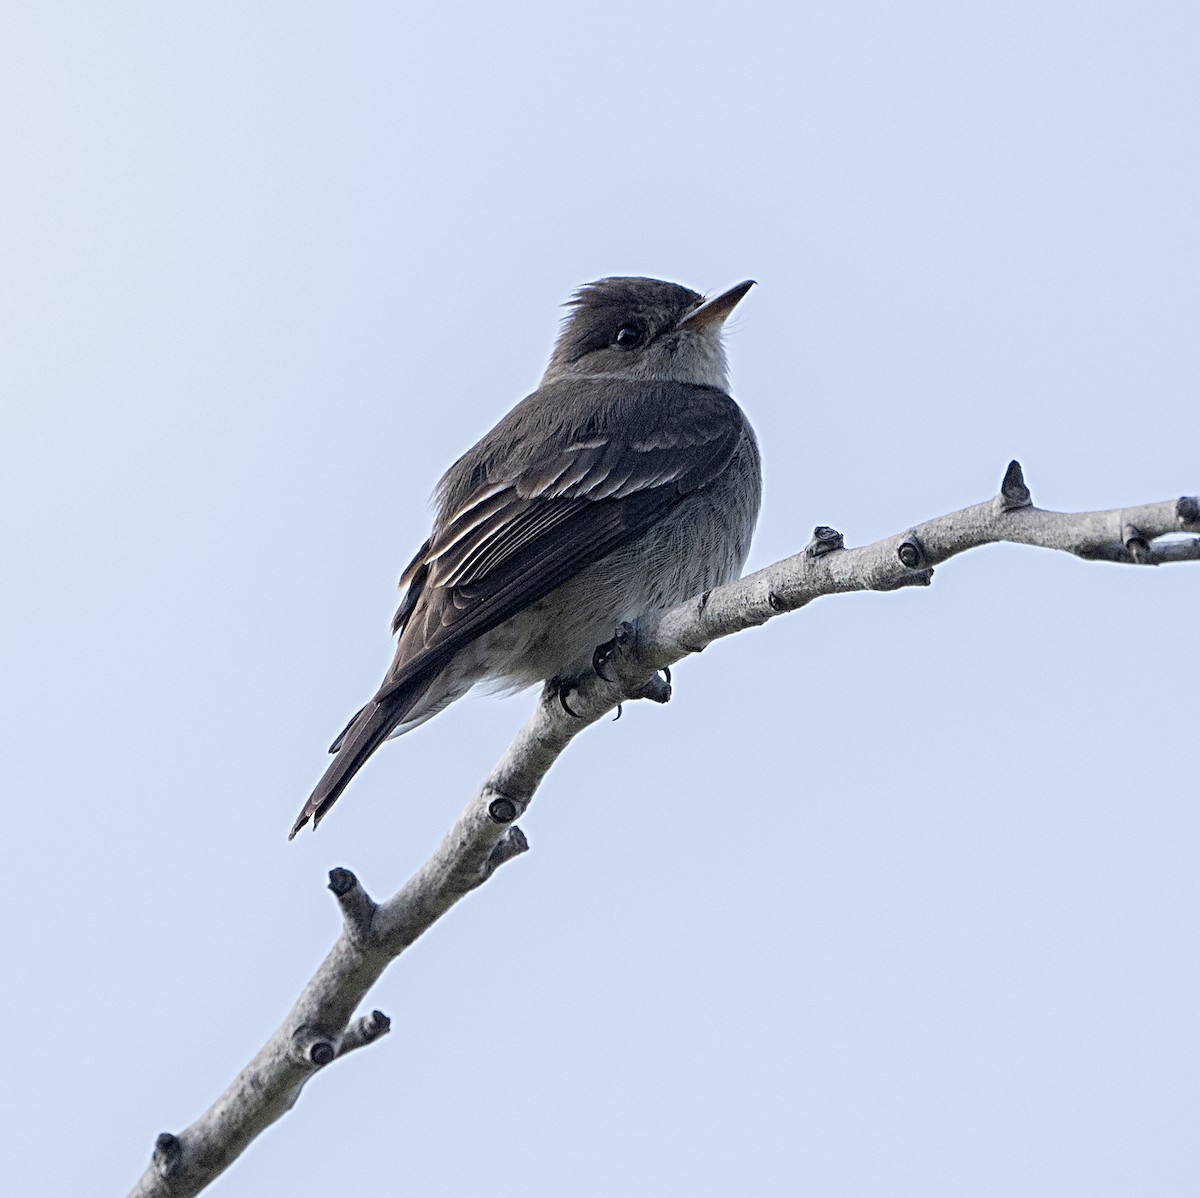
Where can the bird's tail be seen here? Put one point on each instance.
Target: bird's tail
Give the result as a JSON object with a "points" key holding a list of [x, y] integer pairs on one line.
{"points": [[364, 734]]}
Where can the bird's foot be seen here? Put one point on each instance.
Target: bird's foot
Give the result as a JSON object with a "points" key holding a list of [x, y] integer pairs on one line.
{"points": [[657, 688], [624, 639]]}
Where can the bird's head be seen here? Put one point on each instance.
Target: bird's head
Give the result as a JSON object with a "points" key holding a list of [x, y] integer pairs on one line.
{"points": [[644, 329]]}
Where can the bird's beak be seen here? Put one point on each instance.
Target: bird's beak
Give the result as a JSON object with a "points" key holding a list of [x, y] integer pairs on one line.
{"points": [[714, 311]]}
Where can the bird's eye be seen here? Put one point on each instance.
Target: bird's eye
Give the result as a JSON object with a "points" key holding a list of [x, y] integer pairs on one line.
{"points": [[628, 336]]}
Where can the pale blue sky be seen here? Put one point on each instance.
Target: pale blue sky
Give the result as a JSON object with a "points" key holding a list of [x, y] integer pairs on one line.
{"points": [[898, 896]]}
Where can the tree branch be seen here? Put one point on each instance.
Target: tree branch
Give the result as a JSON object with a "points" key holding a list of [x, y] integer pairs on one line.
{"points": [[318, 1030]]}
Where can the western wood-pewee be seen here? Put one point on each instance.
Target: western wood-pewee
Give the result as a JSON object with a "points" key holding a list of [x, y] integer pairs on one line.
{"points": [[627, 482]]}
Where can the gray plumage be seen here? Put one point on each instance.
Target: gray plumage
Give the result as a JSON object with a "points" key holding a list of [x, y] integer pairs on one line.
{"points": [[627, 482]]}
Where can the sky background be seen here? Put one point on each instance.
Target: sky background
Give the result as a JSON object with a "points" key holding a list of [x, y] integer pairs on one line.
{"points": [[898, 896]]}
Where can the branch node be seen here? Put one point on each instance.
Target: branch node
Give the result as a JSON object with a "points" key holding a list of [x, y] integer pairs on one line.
{"points": [[168, 1153], [503, 810], [910, 552], [1014, 494], [358, 908], [824, 540], [774, 602], [312, 1046], [1137, 544], [1187, 511]]}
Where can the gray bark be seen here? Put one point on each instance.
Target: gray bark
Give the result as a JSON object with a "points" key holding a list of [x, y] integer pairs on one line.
{"points": [[320, 1027]]}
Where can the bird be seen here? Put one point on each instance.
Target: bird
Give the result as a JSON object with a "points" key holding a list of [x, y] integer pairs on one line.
{"points": [[629, 481]]}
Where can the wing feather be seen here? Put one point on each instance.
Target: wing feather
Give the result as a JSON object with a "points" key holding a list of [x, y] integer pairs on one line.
{"points": [[540, 499]]}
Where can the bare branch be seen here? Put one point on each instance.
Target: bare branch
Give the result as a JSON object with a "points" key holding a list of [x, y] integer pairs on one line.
{"points": [[358, 909], [1143, 535], [365, 1031], [318, 1030]]}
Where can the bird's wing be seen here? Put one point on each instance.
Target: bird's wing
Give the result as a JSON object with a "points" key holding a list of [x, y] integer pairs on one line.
{"points": [[526, 525], [541, 497]]}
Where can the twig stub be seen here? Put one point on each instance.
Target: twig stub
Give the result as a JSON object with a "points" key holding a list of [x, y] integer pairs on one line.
{"points": [[824, 540], [910, 552], [167, 1153], [1013, 491], [503, 810], [341, 881]]}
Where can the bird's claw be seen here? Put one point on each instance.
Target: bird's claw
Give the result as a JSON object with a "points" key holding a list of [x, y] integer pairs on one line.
{"points": [[602, 656], [564, 689], [610, 649]]}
